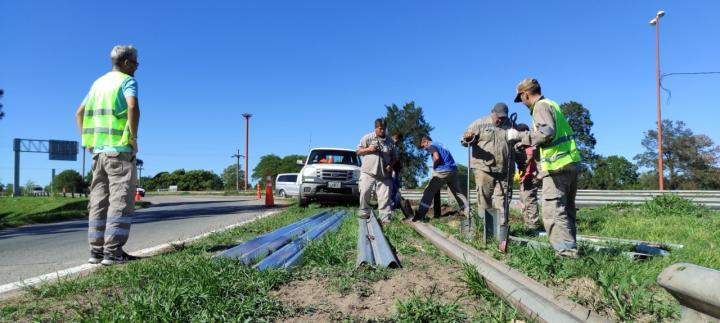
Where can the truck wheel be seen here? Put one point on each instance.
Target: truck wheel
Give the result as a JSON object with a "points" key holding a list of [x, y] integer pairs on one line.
{"points": [[282, 194]]}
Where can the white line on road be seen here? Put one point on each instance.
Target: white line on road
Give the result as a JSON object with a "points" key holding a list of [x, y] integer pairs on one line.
{"points": [[9, 288]]}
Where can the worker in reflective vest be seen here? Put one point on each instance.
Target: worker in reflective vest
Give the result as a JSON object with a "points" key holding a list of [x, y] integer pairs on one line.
{"points": [[559, 165], [108, 121]]}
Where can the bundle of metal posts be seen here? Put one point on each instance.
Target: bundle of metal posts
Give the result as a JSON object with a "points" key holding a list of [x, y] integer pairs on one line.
{"points": [[288, 255], [373, 248], [535, 301], [264, 242]]}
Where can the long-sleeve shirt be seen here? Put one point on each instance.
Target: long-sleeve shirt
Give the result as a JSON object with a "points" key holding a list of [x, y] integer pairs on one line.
{"points": [[543, 130], [491, 152]]}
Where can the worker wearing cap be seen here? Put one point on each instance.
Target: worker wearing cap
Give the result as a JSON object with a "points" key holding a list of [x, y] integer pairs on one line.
{"points": [[490, 154], [559, 160], [379, 156], [444, 172]]}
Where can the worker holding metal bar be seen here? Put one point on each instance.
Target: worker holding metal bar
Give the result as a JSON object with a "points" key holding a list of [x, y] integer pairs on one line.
{"points": [[490, 162], [379, 157], [529, 183], [444, 173], [559, 159]]}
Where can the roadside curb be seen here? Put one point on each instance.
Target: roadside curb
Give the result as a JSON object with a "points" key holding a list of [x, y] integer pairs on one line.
{"points": [[13, 289]]}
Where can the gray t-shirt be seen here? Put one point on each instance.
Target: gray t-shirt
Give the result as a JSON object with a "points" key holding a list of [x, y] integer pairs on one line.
{"points": [[374, 164]]}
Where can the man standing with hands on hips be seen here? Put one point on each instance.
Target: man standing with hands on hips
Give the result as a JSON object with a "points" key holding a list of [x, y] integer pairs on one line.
{"points": [[559, 160], [108, 120]]}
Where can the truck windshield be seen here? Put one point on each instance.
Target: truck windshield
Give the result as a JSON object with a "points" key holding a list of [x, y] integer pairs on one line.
{"points": [[333, 157]]}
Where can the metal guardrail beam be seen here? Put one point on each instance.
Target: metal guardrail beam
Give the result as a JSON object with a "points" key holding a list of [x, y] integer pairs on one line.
{"points": [[591, 198], [373, 247], [696, 288], [535, 301]]}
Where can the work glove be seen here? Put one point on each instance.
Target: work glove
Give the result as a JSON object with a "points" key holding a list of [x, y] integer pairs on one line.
{"points": [[512, 135]]}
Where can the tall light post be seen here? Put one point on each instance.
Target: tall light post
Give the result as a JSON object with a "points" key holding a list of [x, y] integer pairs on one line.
{"points": [[237, 170], [247, 132], [656, 22]]}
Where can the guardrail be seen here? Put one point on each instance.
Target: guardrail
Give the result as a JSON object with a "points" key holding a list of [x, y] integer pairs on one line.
{"points": [[590, 198]]}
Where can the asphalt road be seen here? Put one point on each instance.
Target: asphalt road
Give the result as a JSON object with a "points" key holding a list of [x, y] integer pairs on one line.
{"points": [[40, 249]]}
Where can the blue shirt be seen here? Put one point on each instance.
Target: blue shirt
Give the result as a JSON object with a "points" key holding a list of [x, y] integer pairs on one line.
{"points": [[447, 163], [129, 88]]}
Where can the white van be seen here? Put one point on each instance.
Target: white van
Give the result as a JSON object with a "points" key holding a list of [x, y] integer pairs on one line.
{"points": [[286, 185]]}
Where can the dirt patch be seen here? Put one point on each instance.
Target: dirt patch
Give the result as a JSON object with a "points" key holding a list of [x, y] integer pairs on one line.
{"points": [[587, 292], [315, 300]]}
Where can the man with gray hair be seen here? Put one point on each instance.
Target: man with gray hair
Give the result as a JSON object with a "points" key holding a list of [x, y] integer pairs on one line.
{"points": [[108, 121]]}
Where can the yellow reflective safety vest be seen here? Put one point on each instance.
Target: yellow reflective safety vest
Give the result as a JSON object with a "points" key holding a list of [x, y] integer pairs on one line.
{"points": [[562, 150], [103, 125]]}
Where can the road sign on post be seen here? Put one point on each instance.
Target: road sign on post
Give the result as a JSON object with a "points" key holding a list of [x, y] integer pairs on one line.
{"points": [[63, 150]]}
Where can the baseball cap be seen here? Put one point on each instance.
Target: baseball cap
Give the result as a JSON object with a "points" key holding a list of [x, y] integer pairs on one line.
{"points": [[526, 85], [500, 109]]}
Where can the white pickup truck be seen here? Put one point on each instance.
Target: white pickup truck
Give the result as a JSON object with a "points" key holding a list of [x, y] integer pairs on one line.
{"points": [[329, 175]]}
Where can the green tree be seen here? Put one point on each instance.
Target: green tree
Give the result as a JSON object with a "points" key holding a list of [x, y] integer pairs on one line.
{"points": [[689, 160], [614, 173], [9, 189], [232, 176], [68, 181], [578, 118], [273, 165], [199, 180], [409, 122]]}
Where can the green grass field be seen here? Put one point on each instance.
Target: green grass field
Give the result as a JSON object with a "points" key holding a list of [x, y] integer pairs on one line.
{"points": [[19, 211], [615, 286], [187, 285]]}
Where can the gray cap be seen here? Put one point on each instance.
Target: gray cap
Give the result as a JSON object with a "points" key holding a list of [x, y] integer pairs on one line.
{"points": [[500, 109]]}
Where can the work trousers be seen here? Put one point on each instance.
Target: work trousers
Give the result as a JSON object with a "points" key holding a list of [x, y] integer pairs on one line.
{"points": [[435, 185], [111, 205], [529, 201], [381, 185], [491, 190], [558, 209]]}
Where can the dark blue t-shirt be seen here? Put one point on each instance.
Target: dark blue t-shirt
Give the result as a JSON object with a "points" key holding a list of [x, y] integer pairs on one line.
{"points": [[447, 163]]}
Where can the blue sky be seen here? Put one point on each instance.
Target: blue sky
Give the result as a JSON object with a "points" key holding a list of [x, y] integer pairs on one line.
{"points": [[317, 73]]}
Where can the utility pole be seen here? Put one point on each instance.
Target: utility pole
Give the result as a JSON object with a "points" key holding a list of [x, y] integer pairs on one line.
{"points": [[237, 170], [139, 163], [247, 132], [656, 22]]}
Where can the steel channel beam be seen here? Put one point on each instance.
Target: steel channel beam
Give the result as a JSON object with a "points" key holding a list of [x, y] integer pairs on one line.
{"points": [[629, 254], [248, 246], [268, 248], [535, 301], [696, 288], [282, 255], [648, 246], [380, 246], [364, 248]]}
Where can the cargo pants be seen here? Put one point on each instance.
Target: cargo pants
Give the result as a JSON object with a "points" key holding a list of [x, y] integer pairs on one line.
{"points": [[435, 185], [112, 203], [491, 188], [529, 200], [558, 209], [381, 185]]}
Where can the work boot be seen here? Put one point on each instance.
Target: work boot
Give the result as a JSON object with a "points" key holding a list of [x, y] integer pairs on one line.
{"points": [[122, 258], [95, 258], [418, 217], [567, 253]]}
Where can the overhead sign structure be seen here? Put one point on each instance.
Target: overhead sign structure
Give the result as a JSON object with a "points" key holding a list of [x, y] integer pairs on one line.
{"points": [[57, 150]]}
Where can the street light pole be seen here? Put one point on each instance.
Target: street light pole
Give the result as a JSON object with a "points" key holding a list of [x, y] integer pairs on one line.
{"points": [[656, 22], [247, 131], [237, 170]]}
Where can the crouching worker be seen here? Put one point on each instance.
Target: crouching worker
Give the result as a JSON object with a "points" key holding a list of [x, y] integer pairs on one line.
{"points": [[444, 172]]}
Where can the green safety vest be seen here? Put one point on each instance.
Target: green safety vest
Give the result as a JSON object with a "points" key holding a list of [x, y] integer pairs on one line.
{"points": [[102, 124], [562, 150]]}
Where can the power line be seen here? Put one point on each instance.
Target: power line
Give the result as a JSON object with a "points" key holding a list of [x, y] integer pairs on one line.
{"points": [[680, 73]]}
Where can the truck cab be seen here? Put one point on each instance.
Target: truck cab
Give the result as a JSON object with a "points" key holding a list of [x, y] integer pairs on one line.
{"points": [[329, 175]]}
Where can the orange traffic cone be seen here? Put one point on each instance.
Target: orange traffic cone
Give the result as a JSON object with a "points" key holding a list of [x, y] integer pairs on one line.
{"points": [[137, 196], [269, 200], [259, 194]]}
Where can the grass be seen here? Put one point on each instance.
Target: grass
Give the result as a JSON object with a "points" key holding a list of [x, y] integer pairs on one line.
{"points": [[612, 284], [24, 210]]}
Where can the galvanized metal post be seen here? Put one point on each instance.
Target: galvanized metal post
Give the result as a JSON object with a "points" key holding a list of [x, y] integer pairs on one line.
{"points": [[16, 185]]}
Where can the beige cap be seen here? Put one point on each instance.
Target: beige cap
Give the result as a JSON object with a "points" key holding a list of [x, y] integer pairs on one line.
{"points": [[526, 85]]}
